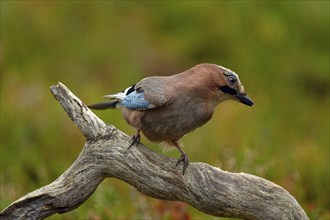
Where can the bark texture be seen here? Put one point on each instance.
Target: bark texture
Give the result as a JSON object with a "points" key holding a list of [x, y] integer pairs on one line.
{"points": [[105, 154]]}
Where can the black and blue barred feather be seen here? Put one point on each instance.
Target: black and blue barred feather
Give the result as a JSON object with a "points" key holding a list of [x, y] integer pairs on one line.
{"points": [[135, 100]]}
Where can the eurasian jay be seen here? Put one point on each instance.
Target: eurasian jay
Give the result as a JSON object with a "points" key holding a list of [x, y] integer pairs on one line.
{"points": [[165, 108]]}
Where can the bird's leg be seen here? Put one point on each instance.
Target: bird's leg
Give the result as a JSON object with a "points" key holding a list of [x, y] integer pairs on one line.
{"points": [[135, 139], [183, 158]]}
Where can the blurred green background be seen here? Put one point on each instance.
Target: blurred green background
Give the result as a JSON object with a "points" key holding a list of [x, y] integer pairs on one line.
{"points": [[280, 49]]}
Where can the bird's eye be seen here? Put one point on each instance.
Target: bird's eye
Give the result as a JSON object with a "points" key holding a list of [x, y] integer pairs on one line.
{"points": [[232, 80]]}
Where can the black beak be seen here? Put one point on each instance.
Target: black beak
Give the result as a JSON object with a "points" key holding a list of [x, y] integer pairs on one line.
{"points": [[243, 98]]}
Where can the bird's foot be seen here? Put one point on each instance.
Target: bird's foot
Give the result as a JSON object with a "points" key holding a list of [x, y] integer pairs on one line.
{"points": [[185, 160], [135, 139]]}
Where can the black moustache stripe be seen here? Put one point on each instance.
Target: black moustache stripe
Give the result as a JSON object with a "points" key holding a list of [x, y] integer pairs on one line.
{"points": [[227, 89]]}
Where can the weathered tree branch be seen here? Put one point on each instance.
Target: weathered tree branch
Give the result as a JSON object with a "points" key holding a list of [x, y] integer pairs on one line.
{"points": [[105, 154]]}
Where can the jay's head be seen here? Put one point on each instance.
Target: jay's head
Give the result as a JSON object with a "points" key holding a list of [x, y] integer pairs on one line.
{"points": [[225, 84]]}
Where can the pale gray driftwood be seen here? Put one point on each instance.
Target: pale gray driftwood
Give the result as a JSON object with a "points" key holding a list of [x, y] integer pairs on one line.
{"points": [[105, 154]]}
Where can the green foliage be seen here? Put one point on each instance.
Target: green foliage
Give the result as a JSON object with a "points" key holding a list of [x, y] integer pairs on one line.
{"points": [[280, 49]]}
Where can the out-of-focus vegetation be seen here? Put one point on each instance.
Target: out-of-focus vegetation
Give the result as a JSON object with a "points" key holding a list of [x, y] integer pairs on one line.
{"points": [[280, 49]]}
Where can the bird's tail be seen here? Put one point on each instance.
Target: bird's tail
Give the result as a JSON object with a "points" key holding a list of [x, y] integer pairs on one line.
{"points": [[116, 103], [105, 105]]}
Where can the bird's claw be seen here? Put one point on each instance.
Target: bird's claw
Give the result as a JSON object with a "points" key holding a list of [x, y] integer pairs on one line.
{"points": [[135, 140], [185, 160]]}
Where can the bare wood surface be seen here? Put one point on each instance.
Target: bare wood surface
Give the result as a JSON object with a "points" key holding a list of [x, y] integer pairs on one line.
{"points": [[105, 154]]}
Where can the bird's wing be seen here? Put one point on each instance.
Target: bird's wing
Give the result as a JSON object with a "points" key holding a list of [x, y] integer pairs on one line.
{"points": [[154, 90], [147, 94], [136, 100]]}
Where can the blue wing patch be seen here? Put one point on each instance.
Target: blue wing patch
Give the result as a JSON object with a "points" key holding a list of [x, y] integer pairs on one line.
{"points": [[136, 101]]}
